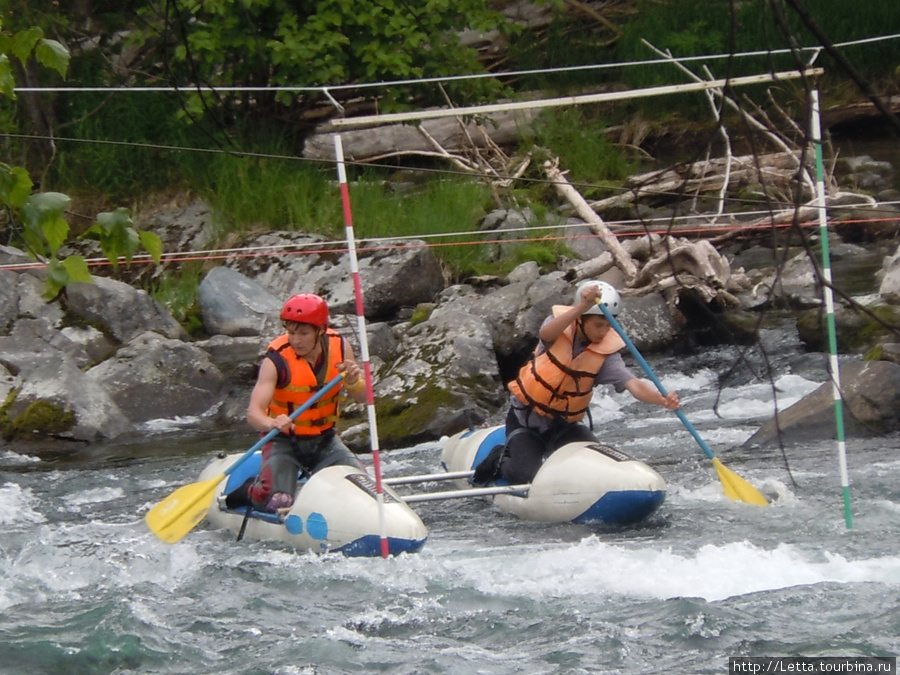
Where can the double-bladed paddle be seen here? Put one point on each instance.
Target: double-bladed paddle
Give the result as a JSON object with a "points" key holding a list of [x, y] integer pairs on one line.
{"points": [[734, 486], [179, 513]]}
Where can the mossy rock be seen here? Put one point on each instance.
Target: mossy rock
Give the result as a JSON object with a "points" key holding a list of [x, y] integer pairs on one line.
{"points": [[421, 313], [856, 332], [405, 421], [39, 418], [401, 422]]}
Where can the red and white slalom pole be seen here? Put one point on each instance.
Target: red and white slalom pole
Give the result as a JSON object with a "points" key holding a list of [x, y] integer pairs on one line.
{"points": [[363, 341]]}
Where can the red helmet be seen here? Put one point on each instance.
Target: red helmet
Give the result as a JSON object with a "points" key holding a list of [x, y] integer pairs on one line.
{"points": [[306, 308]]}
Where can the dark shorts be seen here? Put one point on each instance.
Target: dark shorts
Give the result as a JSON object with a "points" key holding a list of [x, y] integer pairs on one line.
{"points": [[286, 457]]}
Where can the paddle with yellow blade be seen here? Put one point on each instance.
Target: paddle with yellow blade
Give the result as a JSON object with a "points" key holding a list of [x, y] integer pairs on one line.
{"points": [[179, 513], [734, 486]]}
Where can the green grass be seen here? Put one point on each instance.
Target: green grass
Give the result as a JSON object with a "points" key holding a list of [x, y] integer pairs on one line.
{"points": [[250, 192], [578, 137], [430, 210], [177, 292], [121, 156]]}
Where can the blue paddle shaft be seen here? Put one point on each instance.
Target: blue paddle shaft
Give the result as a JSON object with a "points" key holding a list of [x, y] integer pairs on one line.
{"points": [[274, 432], [659, 385]]}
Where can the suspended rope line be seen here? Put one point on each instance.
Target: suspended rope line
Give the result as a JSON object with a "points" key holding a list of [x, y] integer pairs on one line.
{"points": [[325, 89], [623, 229], [329, 162]]}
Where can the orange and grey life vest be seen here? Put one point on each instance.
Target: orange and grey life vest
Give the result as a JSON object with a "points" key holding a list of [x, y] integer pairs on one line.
{"points": [[297, 383], [555, 383]]}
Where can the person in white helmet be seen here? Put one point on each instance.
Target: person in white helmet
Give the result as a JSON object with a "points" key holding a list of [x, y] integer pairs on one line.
{"points": [[578, 350]]}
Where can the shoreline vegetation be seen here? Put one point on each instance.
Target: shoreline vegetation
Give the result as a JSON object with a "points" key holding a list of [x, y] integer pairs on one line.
{"points": [[242, 151], [88, 168]]}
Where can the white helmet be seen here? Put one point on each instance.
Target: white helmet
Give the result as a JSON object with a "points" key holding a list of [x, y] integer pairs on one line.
{"points": [[609, 297]]}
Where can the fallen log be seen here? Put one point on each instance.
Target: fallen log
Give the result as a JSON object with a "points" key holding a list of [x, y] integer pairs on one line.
{"points": [[776, 173], [393, 140], [588, 215]]}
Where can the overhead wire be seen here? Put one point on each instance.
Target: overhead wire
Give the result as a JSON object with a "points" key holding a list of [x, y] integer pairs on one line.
{"points": [[629, 228], [454, 78], [646, 224], [381, 164]]}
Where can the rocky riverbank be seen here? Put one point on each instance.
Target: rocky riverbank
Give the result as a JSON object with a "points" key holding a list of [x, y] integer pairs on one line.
{"points": [[106, 360]]}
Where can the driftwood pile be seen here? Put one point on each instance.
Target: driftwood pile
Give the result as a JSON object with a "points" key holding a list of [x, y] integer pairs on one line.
{"points": [[683, 257]]}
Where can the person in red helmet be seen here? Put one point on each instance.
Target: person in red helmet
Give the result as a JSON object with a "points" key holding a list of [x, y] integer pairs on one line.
{"points": [[296, 365]]}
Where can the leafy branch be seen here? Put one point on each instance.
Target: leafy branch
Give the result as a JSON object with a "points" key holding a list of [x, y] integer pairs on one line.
{"points": [[37, 219]]}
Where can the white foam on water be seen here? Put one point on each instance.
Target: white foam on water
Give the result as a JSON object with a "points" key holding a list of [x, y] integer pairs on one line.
{"points": [[16, 505], [757, 400], [14, 458], [160, 425], [93, 496], [714, 572], [682, 382]]}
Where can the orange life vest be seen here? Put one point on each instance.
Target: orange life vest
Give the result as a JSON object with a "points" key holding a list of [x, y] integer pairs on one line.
{"points": [[555, 383], [297, 383]]}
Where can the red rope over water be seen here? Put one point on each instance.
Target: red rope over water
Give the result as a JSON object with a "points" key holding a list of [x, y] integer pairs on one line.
{"points": [[390, 244]]}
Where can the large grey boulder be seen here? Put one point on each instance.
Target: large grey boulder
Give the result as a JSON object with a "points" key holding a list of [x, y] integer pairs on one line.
{"points": [[122, 311], [31, 304], [30, 339], [233, 305], [446, 365], [393, 275], [55, 380], [871, 406], [154, 377]]}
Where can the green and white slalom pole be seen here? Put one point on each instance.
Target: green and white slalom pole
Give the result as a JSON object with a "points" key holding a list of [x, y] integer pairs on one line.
{"points": [[829, 306]]}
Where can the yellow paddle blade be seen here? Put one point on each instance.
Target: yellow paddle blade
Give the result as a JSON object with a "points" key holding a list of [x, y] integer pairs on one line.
{"points": [[179, 513], [736, 487]]}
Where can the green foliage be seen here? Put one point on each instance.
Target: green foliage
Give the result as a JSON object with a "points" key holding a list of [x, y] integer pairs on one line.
{"points": [[23, 45], [690, 28], [45, 228], [15, 186], [567, 41], [176, 290], [277, 43], [685, 27], [840, 21], [38, 220], [117, 237]]}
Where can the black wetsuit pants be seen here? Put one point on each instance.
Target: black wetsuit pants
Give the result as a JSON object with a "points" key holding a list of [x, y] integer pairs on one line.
{"points": [[526, 448]]}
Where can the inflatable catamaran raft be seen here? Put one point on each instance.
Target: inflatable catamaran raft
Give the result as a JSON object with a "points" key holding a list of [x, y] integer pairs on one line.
{"points": [[580, 482], [338, 508], [334, 510]]}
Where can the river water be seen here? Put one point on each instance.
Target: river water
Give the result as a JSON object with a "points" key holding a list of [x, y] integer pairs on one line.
{"points": [[86, 588]]}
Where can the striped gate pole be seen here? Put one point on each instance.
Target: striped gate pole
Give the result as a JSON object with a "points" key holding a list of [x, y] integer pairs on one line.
{"points": [[829, 306], [363, 341]]}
